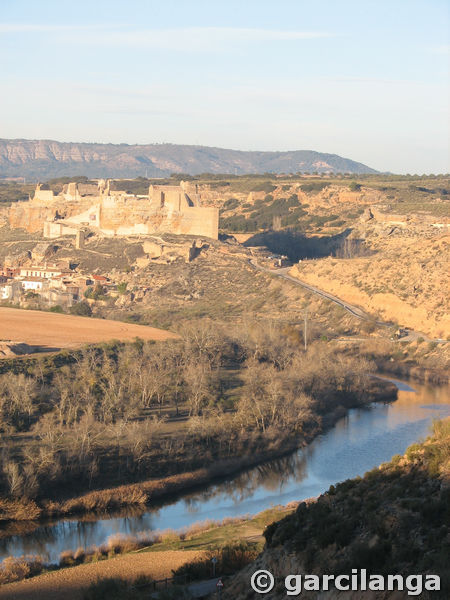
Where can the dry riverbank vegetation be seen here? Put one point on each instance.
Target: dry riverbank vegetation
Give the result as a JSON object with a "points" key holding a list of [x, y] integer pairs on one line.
{"points": [[169, 415], [227, 539], [23, 567]]}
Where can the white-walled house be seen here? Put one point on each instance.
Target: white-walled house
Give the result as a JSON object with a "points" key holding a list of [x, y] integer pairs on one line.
{"points": [[34, 284], [44, 272]]}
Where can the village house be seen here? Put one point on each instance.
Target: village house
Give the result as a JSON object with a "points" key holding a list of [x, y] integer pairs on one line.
{"points": [[9, 271], [100, 279], [33, 283], [54, 284], [44, 272]]}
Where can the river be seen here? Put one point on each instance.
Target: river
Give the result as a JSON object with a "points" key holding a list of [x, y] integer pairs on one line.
{"points": [[363, 439]]}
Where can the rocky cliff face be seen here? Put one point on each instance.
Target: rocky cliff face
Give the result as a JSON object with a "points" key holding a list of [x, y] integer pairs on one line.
{"points": [[43, 159]]}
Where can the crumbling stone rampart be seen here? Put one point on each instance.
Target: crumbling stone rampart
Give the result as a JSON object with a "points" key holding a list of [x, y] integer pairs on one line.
{"points": [[166, 209]]}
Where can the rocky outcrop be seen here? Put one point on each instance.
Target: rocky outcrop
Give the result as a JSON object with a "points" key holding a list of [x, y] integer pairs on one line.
{"points": [[165, 252], [43, 251]]}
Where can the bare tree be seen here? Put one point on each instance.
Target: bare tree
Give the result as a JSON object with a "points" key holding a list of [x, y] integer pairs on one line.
{"points": [[199, 380]]}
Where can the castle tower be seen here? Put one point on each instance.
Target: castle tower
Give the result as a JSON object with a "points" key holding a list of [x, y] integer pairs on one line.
{"points": [[43, 194], [79, 239]]}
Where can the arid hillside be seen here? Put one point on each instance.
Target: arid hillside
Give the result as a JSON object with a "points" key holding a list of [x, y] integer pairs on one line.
{"points": [[49, 158], [404, 279], [381, 245]]}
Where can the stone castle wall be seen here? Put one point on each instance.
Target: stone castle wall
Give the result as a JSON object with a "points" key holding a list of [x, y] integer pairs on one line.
{"points": [[166, 209]]}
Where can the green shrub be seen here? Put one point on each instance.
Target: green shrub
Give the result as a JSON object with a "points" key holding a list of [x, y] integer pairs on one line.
{"points": [[57, 308], [265, 186], [230, 204], [81, 309], [314, 186]]}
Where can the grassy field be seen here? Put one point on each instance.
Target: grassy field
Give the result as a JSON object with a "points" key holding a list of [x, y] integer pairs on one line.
{"points": [[218, 535]]}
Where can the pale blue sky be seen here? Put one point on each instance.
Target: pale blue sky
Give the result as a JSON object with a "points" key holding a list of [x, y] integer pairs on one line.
{"points": [[368, 80]]}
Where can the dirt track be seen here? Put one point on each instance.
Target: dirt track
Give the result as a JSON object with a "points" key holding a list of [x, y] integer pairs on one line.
{"points": [[54, 331], [68, 584]]}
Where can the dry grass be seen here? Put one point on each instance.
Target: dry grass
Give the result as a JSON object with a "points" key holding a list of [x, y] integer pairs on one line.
{"points": [[71, 583], [14, 569], [19, 510], [126, 495], [146, 491], [18, 568]]}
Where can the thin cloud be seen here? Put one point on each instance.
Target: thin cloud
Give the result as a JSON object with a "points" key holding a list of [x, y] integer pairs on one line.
{"points": [[444, 49], [193, 38], [43, 28], [182, 38]]}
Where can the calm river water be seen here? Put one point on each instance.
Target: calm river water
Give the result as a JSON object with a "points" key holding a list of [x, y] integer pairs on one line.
{"points": [[358, 442]]}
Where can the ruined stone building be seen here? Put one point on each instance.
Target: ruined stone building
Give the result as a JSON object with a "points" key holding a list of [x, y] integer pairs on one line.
{"points": [[87, 206]]}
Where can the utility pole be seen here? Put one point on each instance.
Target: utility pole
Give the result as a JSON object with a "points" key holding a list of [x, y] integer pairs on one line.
{"points": [[305, 329]]}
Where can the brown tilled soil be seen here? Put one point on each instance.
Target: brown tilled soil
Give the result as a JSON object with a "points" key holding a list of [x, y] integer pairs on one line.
{"points": [[69, 584], [54, 331]]}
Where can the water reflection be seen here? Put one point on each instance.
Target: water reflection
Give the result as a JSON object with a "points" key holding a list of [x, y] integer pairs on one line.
{"points": [[361, 440]]}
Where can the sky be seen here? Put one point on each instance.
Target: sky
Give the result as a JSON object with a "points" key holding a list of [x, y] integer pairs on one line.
{"points": [[368, 80]]}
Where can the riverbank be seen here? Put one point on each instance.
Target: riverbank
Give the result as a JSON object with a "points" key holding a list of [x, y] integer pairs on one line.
{"points": [[414, 371], [361, 522], [367, 437], [198, 538], [145, 492]]}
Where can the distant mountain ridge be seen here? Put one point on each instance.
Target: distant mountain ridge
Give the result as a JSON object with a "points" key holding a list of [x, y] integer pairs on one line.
{"points": [[44, 159]]}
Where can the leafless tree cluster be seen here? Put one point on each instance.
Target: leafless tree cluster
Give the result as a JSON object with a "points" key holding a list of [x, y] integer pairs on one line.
{"points": [[145, 410]]}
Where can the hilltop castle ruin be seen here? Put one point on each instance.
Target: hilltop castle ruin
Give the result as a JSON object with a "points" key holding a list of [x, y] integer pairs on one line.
{"points": [[88, 206]]}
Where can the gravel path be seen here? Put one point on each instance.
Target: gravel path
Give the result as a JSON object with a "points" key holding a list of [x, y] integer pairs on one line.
{"points": [[68, 584]]}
